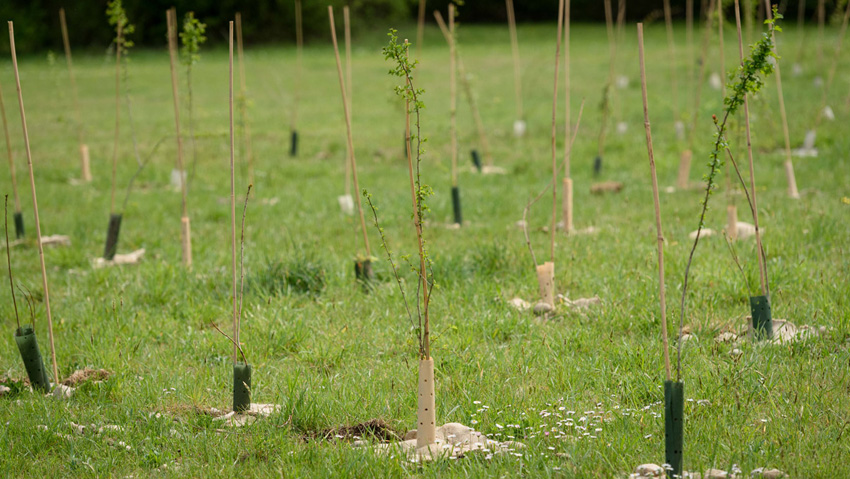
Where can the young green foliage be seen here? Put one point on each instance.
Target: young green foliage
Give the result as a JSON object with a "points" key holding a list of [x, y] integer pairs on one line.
{"points": [[118, 18], [191, 38]]}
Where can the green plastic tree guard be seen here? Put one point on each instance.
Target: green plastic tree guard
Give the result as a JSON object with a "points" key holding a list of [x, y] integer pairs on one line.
{"points": [[674, 400], [241, 387], [34, 364]]}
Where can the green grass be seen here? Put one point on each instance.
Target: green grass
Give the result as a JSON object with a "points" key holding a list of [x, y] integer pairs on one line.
{"points": [[333, 355]]}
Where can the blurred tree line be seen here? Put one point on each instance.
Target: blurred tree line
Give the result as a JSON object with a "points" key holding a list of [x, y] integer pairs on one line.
{"points": [[272, 21]]}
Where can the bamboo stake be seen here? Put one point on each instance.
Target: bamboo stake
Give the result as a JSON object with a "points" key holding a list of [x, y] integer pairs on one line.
{"points": [[346, 21], [789, 165], [299, 46], [84, 149], [759, 252], [674, 92], [34, 203], [420, 29], [10, 155], [801, 22], [185, 236], [509, 4], [821, 21], [243, 100], [748, 20], [606, 104], [554, 133], [467, 90], [689, 37], [685, 164], [661, 295], [235, 316], [833, 65], [453, 91], [567, 194], [118, 44], [350, 141]]}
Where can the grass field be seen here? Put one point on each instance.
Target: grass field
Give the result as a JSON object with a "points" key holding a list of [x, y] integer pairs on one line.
{"points": [[335, 356]]}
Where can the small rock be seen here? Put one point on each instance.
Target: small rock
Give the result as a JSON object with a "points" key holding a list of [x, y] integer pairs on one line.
{"points": [[705, 233], [606, 187], [62, 391], [680, 129], [828, 113], [736, 352], [650, 470], [622, 127], [493, 170], [346, 204], [719, 474], [726, 337], [519, 304], [519, 128], [410, 435], [767, 473], [689, 337], [521, 224], [542, 308], [4, 390], [622, 82], [715, 81]]}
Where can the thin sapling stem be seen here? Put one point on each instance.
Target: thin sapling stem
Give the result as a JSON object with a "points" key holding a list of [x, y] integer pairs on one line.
{"points": [[9, 260], [9, 155], [509, 5]]}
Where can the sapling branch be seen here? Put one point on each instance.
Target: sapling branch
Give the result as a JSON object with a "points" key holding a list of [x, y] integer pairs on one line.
{"points": [[235, 344], [242, 254], [9, 259], [386, 248], [737, 262], [749, 80]]}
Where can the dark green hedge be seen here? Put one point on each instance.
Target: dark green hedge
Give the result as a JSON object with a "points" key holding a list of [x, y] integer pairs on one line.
{"points": [[37, 21]]}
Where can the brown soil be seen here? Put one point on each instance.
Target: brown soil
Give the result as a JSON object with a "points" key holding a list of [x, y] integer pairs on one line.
{"points": [[85, 375], [374, 428]]}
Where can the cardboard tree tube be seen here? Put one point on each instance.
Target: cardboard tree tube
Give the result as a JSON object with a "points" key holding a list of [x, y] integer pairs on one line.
{"points": [[546, 281], [85, 164], [792, 181], [567, 205], [426, 416], [186, 240], [732, 222], [684, 170]]}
